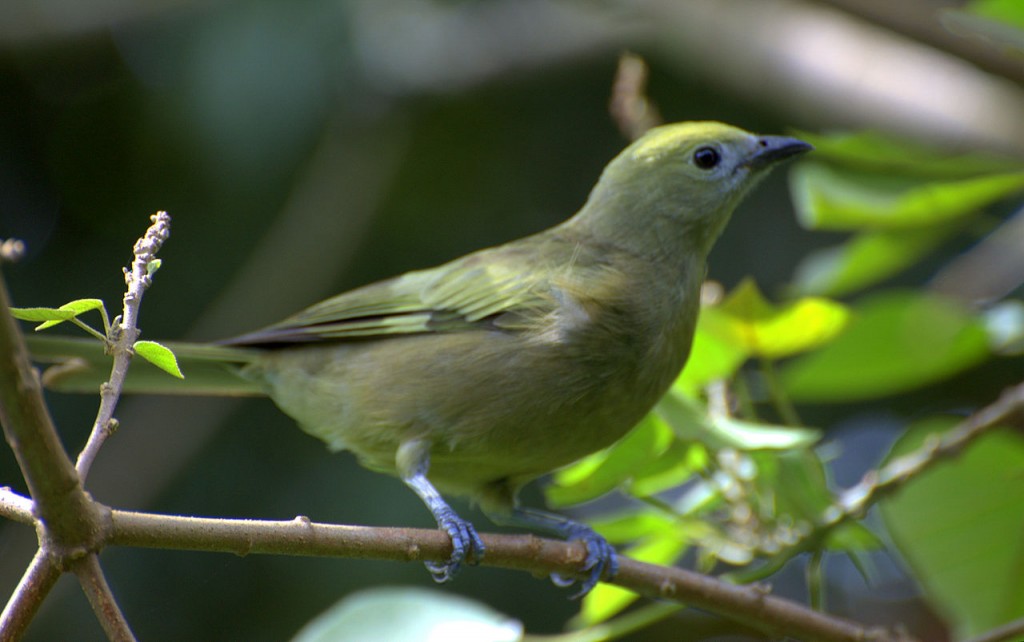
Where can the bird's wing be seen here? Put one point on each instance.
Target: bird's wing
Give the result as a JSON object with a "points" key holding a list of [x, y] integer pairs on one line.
{"points": [[500, 288]]}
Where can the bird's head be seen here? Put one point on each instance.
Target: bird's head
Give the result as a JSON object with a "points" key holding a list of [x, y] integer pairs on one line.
{"points": [[686, 175]]}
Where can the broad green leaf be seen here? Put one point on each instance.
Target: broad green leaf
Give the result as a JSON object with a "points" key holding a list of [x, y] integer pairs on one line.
{"points": [[409, 614], [634, 524], [646, 442], [865, 259], [774, 331], [961, 528], [160, 356], [830, 199], [895, 342], [1009, 11], [875, 152], [717, 351]]}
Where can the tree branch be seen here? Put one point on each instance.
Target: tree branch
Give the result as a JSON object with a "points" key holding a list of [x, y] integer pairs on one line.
{"points": [[39, 578], [72, 523], [101, 598], [751, 605]]}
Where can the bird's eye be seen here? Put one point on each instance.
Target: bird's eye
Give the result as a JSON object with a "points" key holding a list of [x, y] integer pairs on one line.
{"points": [[706, 157]]}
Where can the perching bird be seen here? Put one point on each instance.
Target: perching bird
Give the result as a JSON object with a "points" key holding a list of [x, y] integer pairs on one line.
{"points": [[479, 375]]}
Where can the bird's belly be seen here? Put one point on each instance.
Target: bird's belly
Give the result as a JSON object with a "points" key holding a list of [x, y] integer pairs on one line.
{"points": [[493, 406]]}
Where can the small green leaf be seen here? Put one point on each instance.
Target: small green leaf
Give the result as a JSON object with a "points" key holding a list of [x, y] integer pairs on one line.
{"points": [[41, 314], [780, 331], [76, 307], [831, 199], [153, 266], [895, 342], [959, 527], [52, 316], [160, 356]]}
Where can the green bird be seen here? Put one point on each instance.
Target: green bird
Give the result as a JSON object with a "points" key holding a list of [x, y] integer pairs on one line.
{"points": [[479, 375]]}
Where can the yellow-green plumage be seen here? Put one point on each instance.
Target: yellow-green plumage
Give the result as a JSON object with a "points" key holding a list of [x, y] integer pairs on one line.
{"points": [[505, 364]]}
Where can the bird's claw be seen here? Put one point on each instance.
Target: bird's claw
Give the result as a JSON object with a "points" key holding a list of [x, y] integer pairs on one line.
{"points": [[466, 547], [602, 562]]}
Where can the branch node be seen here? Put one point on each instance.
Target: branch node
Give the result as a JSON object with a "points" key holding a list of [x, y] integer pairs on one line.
{"points": [[667, 589]]}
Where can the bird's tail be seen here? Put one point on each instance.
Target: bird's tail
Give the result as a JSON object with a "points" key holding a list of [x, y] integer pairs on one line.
{"points": [[81, 365]]}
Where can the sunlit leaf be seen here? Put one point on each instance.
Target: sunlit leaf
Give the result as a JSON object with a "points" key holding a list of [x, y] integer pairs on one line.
{"points": [[959, 526], [717, 351], [830, 199], [865, 259], [42, 314], [52, 316], [76, 307], [160, 356], [644, 443], [875, 152], [774, 331], [409, 614], [895, 342]]}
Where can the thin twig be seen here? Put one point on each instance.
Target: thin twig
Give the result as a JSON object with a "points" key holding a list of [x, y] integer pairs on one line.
{"points": [[101, 598], [15, 507], [124, 335], [1006, 411], [630, 108], [39, 578]]}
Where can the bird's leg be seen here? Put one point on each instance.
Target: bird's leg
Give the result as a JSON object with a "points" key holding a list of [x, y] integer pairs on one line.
{"points": [[602, 561], [413, 461]]}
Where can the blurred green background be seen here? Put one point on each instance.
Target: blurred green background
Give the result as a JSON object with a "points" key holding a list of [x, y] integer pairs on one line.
{"points": [[307, 147]]}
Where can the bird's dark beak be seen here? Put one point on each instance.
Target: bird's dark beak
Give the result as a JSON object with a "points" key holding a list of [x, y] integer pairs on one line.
{"points": [[772, 149]]}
